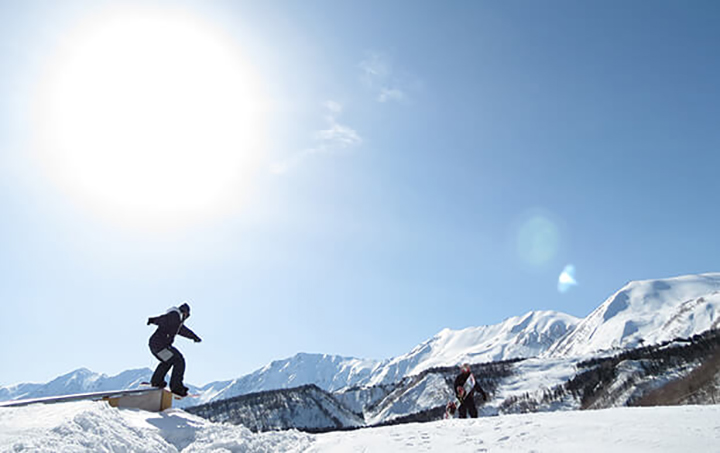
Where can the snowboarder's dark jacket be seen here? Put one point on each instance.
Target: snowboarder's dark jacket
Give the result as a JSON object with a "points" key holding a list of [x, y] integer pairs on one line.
{"points": [[460, 381], [169, 325]]}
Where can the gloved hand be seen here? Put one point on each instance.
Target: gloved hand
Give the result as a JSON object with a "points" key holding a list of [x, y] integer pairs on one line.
{"points": [[149, 321], [197, 339]]}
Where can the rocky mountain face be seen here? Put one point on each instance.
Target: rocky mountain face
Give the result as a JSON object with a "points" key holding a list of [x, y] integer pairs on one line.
{"points": [[307, 408], [682, 371]]}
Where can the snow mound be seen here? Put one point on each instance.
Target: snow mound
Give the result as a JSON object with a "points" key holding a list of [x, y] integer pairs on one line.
{"points": [[92, 426]]}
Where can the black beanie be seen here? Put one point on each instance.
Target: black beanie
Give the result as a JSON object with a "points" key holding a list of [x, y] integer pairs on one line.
{"points": [[185, 308]]}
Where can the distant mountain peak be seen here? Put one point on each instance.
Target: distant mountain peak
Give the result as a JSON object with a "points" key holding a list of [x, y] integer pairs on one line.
{"points": [[646, 312]]}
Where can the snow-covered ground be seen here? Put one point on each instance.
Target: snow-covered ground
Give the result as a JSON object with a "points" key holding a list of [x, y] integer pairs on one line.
{"points": [[637, 430], [88, 426], [96, 427]]}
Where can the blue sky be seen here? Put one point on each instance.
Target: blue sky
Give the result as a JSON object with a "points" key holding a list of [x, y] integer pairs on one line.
{"points": [[345, 178]]}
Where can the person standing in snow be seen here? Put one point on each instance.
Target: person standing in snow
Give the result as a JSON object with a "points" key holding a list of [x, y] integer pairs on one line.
{"points": [[467, 405], [169, 325]]}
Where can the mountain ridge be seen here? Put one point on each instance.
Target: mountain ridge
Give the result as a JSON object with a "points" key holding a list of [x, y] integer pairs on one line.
{"points": [[641, 312], [646, 312]]}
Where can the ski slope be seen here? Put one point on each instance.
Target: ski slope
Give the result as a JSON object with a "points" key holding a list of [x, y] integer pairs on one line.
{"points": [[93, 426]]}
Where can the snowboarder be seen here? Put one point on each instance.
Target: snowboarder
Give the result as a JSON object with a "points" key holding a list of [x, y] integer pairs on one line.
{"points": [[465, 387], [169, 325]]}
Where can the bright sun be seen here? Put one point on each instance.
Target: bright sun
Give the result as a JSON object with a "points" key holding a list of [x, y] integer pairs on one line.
{"points": [[151, 118]]}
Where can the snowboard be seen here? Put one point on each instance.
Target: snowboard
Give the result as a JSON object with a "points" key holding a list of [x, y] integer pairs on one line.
{"points": [[453, 405], [175, 395]]}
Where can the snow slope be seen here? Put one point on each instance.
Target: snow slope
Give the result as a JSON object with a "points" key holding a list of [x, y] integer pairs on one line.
{"points": [[644, 313], [329, 372], [307, 408], [89, 426], [661, 429], [516, 337]]}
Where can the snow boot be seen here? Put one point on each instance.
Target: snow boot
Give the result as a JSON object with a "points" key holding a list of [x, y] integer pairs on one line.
{"points": [[180, 391], [160, 385]]}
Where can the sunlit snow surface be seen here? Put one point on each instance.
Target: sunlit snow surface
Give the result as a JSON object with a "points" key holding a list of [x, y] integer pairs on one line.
{"points": [[90, 426], [97, 427]]}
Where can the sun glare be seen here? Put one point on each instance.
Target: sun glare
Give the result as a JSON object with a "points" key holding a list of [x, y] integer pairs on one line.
{"points": [[151, 118]]}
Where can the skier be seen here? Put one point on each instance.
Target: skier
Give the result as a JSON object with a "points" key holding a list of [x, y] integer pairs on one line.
{"points": [[466, 397], [169, 325]]}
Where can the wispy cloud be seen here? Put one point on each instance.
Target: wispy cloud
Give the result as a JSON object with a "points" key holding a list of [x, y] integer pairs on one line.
{"points": [[335, 138], [379, 76], [334, 108], [383, 81], [391, 94]]}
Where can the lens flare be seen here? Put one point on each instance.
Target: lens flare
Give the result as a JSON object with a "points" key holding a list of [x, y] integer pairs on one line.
{"points": [[538, 240], [566, 280]]}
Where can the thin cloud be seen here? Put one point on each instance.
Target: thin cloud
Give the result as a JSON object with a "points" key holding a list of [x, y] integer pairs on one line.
{"points": [[335, 138], [375, 67], [335, 108], [391, 94], [379, 76]]}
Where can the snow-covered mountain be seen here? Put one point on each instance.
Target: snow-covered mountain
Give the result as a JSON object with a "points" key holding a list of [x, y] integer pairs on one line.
{"points": [[519, 336], [308, 408], [329, 372], [78, 381], [644, 313], [516, 337]]}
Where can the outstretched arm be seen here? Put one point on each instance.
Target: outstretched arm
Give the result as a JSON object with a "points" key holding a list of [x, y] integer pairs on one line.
{"points": [[187, 333]]}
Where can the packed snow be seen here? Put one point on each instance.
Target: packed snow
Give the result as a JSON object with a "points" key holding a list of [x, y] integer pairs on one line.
{"points": [[665, 429], [95, 426]]}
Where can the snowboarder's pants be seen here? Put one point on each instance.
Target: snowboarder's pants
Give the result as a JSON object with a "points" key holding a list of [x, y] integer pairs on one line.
{"points": [[467, 407], [169, 357]]}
